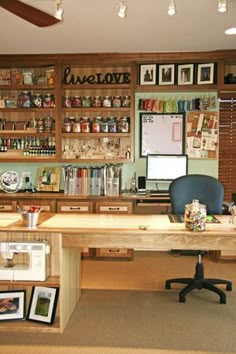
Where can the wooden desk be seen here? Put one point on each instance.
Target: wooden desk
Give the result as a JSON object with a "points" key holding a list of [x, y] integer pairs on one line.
{"points": [[68, 233]]}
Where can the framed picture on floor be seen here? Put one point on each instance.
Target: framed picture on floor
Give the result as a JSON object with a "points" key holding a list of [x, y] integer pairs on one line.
{"points": [[12, 305], [43, 303]]}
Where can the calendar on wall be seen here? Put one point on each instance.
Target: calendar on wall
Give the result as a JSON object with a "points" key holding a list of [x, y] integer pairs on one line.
{"points": [[202, 135]]}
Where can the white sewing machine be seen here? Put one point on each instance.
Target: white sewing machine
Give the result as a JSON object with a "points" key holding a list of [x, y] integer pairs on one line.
{"points": [[36, 267]]}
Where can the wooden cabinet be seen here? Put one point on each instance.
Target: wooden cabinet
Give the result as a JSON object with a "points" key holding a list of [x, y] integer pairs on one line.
{"points": [[97, 113], [27, 113]]}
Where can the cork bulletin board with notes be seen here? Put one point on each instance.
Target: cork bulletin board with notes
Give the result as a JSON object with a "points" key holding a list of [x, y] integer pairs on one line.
{"points": [[202, 134]]}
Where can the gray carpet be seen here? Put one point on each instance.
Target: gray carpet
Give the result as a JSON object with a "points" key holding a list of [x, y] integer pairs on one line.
{"points": [[144, 319]]}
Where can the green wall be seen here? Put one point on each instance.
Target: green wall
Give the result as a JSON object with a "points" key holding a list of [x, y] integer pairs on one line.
{"points": [[209, 167]]}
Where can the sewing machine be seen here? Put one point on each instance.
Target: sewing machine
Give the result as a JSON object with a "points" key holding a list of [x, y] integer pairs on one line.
{"points": [[36, 266]]}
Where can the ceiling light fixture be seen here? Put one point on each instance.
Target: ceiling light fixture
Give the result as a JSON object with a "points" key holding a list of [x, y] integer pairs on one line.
{"points": [[122, 9], [222, 5], [59, 10], [172, 8], [231, 31]]}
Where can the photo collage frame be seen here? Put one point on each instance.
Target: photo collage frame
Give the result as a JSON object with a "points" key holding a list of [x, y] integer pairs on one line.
{"points": [[177, 74]]}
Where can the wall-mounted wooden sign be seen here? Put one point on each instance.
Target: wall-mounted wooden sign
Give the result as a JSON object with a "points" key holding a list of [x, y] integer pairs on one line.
{"points": [[70, 78]]}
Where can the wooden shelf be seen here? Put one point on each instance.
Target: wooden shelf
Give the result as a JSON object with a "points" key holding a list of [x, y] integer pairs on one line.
{"points": [[30, 326], [52, 281]]}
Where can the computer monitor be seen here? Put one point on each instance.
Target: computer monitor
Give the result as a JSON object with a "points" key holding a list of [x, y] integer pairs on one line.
{"points": [[166, 168]]}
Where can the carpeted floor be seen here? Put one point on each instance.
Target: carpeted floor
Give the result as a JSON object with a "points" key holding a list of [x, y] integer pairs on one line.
{"points": [[148, 319]]}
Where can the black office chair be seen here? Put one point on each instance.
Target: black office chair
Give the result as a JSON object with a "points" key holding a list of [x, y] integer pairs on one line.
{"points": [[209, 191]]}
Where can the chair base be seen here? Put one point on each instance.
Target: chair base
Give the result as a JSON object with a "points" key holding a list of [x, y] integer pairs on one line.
{"points": [[199, 282]]}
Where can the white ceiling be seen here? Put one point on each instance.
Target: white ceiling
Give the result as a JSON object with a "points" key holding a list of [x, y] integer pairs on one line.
{"points": [[92, 26]]}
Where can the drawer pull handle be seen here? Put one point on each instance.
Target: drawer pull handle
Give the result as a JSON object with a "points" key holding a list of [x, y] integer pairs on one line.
{"points": [[114, 250], [2, 207], [113, 208], [75, 208]]}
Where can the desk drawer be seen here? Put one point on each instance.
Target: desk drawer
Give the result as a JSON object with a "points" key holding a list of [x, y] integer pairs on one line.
{"points": [[114, 253], [48, 206], [114, 207], [74, 207], [7, 206]]}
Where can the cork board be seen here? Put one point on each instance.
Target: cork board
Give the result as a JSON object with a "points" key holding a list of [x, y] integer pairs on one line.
{"points": [[202, 135]]}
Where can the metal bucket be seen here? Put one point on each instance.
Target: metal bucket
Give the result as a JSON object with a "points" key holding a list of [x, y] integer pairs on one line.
{"points": [[30, 219]]}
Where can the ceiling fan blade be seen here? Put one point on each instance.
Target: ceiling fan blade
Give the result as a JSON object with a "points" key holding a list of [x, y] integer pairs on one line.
{"points": [[29, 13]]}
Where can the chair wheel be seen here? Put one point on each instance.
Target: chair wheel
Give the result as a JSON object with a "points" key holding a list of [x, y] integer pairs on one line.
{"points": [[182, 299], [168, 286], [222, 301], [229, 287]]}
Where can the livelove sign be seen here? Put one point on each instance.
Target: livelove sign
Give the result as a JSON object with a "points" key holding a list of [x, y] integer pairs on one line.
{"points": [[70, 78]]}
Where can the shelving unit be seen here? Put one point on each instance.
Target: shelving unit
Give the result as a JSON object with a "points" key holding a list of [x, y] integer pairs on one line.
{"points": [[27, 114]]}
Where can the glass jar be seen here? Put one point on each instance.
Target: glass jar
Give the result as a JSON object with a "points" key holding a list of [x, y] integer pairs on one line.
{"points": [[48, 124], [106, 102], [67, 126], [67, 102], [195, 216], [37, 100], [40, 125], [76, 126], [126, 101], [85, 125], [112, 125], [97, 101], [86, 102], [96, 125], [76, 102], [116, 102], [48, 101], [104, 125], [123, 125], [25, 99]]}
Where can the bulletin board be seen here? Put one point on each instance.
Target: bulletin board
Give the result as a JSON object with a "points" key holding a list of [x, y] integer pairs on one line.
{"points": [[202, 135], [161, 134]]}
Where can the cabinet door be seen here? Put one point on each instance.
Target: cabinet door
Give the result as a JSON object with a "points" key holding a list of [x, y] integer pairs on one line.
{"points": [[27, 114], [114, 207], [46, 205], [97, 114], [74, 206], [7, 205]]}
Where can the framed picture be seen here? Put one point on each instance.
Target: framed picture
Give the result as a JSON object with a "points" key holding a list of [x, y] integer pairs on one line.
{"points": [[49, 179], [167, 74], [43, 303], [147, 74], [12, 305], [185, 74], [162, 134], [205, 73]]}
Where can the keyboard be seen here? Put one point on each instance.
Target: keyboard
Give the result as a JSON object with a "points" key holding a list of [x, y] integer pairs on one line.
{"points": [[159, 193]]}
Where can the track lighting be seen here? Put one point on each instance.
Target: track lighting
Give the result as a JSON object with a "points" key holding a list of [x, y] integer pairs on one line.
{"points": [[59, 10], [222, 5], [122, 8], [172, 8]]}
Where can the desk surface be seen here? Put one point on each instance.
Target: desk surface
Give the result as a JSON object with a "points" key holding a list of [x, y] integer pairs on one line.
{"points": [[125, 231]]}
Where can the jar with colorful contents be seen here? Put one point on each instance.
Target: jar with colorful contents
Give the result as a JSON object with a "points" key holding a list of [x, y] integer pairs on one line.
{"points": [[106, 102], [104, 125], [25, 99], [48, 124], [76, 102], [48, 101], [112, 125], [97, 102], [195, 216], [86, 102], [67, 102], [116, 102], [37, 100], [67, 125], [96, 125], [126, 101], [85, 125], [123, 125]]}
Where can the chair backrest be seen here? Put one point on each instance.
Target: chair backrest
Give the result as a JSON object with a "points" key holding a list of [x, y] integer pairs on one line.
{"points": [[207, 189]]}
